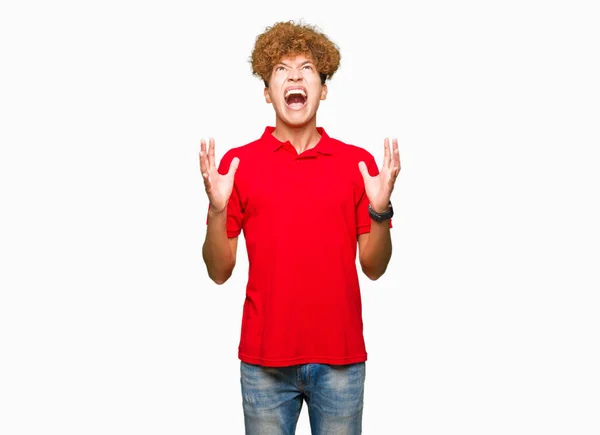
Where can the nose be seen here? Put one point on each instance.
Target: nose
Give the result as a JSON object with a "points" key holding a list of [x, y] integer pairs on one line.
{"points": [[295, 74]]}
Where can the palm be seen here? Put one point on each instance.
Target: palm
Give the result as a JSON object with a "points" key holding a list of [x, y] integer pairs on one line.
{"points": [[218, 187], [379, 187]]}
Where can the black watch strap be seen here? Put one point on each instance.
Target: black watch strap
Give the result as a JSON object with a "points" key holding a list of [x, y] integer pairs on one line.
{"points": [[380, 217]]}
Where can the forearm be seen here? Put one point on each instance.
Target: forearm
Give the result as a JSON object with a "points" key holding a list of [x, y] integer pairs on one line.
{"points": [[216, 251], [376, 255]]}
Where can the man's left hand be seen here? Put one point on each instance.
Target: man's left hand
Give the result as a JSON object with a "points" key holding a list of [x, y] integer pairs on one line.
{"points": [[379, 188]]}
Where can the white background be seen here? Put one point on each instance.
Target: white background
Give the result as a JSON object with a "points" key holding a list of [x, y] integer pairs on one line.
{"points": [[487, 321]]}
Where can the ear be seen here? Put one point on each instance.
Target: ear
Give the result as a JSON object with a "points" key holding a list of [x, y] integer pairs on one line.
{"points": [[267, 96], [324, 92]]}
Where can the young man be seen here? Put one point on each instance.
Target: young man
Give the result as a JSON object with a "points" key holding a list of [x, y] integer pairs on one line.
{"points": [[305, 201]]}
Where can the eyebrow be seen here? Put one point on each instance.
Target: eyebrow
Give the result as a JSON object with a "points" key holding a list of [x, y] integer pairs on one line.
{"points": [[302, 64]]}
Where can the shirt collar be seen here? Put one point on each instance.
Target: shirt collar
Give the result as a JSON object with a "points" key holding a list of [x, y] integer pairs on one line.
{"points": [[324, 146]]}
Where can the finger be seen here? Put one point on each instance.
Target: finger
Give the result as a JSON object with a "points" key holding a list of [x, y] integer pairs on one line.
{"points": [[395, 171], [362, 167], [396, 151], [202, 156], [233, 167], [386, 153], [392, 180], [207, 182], [211, 152]]}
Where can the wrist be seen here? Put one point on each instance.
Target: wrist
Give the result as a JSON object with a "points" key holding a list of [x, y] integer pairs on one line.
{"points": [[381, 216], [381, 208], [216, 212]]}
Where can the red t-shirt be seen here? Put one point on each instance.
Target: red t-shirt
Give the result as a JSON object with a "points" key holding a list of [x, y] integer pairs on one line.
{"points": [[301, 215]]}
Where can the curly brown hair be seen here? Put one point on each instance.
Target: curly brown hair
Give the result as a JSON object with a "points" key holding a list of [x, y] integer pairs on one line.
{"points": [[290, 39]]}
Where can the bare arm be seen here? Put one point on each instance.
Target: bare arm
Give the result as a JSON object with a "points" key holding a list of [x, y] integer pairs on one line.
{"points": [[218, 251], [375, 250]]}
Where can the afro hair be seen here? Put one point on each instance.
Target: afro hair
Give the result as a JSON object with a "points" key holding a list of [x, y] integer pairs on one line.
{"points": [[288, 39]]}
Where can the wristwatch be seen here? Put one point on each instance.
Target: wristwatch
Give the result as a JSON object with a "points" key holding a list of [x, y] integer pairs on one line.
{"points": [[380, 217]]}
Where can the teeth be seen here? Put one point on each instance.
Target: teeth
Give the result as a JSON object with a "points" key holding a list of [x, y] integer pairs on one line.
{"points": [[295, 91]]}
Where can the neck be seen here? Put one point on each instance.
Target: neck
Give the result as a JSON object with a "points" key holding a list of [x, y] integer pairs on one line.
{"points": [[302, 137]]}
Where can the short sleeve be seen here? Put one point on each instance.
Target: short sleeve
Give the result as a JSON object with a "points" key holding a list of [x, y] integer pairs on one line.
{"points": [[363, 220], [235, 213]]}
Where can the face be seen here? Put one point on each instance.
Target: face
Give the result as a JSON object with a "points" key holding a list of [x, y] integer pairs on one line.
{"points": [[295, 90]]}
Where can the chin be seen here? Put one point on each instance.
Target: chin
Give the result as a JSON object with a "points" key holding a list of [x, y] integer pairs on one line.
{"points": [[296, 122], [297, 119]]}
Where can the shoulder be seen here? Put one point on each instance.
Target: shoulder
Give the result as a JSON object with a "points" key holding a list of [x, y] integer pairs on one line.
{"points": [[352, 152], [243, 150], [243, 153], [351, 155]]}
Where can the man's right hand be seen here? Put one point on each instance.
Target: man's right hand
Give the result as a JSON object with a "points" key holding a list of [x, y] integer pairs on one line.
{"points": [[218, 187]]}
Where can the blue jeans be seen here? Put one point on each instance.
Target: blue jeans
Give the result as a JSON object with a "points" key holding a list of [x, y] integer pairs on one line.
{"points": [[273, 397]]}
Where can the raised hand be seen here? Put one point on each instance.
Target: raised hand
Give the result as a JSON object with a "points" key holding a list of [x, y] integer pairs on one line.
{"points": [[218, 187], [379, 188]]}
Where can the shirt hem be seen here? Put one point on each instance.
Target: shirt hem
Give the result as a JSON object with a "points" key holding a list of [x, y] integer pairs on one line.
{"points": [[302, 360]]}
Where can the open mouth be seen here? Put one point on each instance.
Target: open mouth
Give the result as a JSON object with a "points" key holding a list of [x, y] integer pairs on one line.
{"points": [[295, 98]]}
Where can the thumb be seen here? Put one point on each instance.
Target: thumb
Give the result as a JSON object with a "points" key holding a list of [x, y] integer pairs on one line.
{"points": [[362, 167], [233, 166]]}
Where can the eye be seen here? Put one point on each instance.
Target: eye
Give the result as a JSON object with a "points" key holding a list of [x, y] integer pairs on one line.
{"points": [[308, 67], [279, 68]]}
